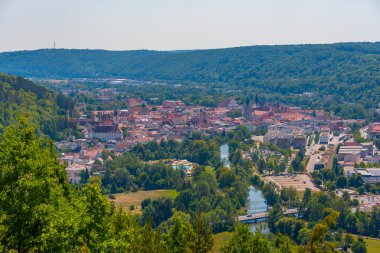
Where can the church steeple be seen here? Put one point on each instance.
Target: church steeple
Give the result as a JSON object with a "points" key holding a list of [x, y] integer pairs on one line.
{"points": [[247, 101]]}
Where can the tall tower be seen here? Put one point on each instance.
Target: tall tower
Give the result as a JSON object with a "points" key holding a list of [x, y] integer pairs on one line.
{"points": [[256, 101], [200, 118], [247, 109]]}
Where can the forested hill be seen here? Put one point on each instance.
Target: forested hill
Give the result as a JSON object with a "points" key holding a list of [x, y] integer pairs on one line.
{"points": [[48, 109], [351, 70]]}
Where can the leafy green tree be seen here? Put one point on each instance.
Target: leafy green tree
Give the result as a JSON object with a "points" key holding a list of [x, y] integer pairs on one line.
{"points": [[35, 205], [179, 234], [270, 194], [261, 165], [203, 240], [305, 202], [95, 225], [351, 223], [243, 240], [150, 240], [359, 247], [274, 215], [226, 177], [319, 232], [341, 182], [283, 244], [84, 176]]}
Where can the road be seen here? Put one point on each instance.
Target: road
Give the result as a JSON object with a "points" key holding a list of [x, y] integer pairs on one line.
{"points": [[310, 150], [312, 157], [311, 163]]}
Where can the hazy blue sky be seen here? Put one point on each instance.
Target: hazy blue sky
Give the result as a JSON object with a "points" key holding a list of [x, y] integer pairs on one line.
{"points": [[183, 24]]}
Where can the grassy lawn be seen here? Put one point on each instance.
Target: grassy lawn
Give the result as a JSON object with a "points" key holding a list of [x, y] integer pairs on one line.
{"points": [[220, 240], [300, 194], [373, 244], [135, 198]]}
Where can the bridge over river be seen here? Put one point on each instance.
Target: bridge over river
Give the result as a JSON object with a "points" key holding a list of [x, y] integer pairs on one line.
{"points": [[251, 218]]}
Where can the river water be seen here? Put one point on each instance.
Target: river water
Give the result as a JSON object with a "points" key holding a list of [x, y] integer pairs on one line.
{"points": [[224, 155], [255, 202]]}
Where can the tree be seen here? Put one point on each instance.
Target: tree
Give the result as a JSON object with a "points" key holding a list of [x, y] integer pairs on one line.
{"points": [[150, 240], [97, 211], [318, 234], [270, 194], [374, 222], [283, 244], [203, 240], [305, 202], [359, 247], [274, 215], [356, 180], [290, 227], [351, 223], [35, 203], [261, 165], [84, 176], [341, 182], [226, 177], [179, 233], [243, 240], [348, 239]]}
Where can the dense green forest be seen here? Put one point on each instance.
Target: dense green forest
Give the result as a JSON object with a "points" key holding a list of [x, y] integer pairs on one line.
{"points": [[350, 71], [49, 109]]}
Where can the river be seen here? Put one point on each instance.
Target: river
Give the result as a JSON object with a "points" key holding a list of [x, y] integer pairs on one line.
{"points": [[255, 202], [224, 155]]}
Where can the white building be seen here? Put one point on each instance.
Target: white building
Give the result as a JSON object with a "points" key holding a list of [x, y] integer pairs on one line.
{"points": [[324, 138], [105, 133], [74, 171]]}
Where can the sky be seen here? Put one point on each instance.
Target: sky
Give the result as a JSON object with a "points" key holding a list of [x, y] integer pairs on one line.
{"points": [[183, 24]]}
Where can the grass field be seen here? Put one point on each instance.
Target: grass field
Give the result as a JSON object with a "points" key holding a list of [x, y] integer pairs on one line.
{"points": [[373, 244], [135, 198], [219, 241]]}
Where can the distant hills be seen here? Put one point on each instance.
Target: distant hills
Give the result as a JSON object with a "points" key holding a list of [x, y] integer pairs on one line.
{"points": [[48, 109], [350, 70]]}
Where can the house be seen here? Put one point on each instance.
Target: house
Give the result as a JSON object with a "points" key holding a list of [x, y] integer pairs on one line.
{"points": [[73, 172], [105, 133], [374, 130], [133, 102], [172, 104], [230, 104]]}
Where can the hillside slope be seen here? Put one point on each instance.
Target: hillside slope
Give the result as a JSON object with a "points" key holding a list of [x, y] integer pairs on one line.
{"points": [[350, 70], [47, 108]]}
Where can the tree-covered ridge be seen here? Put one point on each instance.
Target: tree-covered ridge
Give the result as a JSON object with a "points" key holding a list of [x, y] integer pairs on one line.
{"points": [[350, 70], [21, 96]]}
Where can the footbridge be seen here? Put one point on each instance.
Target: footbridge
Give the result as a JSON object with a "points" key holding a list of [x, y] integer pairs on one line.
{"points": [[255, 217]]}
